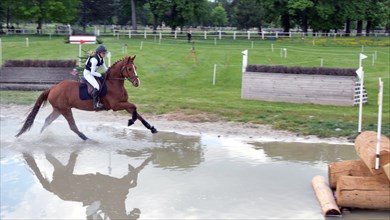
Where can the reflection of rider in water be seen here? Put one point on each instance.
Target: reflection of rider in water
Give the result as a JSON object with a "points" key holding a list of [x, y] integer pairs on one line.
{"points": [[103, 195]]}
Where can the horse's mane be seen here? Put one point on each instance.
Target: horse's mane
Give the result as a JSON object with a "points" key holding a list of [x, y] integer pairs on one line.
{"points": [[108, 70]]}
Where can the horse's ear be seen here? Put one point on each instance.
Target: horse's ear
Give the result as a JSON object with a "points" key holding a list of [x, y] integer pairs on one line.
{"points": [[129, 60], [134, 57]]}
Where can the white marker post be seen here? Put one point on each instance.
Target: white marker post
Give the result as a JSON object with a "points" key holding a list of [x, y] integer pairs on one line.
{"points": [[360, 73], [285, 52], [27, 43], [109, 58], [142, 45], [1, 54], [378, 137], [80, 54], [215, 73], [244, 60]]}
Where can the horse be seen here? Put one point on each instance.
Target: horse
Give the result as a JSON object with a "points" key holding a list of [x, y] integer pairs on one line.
{"points": [[65, 95]]}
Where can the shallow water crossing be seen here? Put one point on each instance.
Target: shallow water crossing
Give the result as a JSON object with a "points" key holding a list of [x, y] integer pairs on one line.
{"points": [[127, 173]]}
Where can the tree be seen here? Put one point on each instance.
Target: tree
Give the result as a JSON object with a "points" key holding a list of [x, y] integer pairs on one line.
{"points": [[180, 12], [133, 15], [300, 10], [277, 11], [158, 9], [326, 15], [95, 12], [228, 6], [9, 11], [248, 14], [219, 16], [375, 12], [39, 11]]}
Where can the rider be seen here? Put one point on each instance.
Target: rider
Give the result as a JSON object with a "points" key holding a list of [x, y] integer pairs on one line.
{"points": [[91, 66]]}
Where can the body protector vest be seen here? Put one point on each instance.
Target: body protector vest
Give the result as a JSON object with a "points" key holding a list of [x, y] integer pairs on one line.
{"points": [[88, 63]]}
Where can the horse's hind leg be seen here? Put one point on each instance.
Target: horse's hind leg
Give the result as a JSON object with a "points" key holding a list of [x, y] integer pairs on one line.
{"points": [[53, 116], [72, 124]]}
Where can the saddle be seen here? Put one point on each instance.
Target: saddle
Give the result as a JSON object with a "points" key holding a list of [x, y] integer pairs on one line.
{"points": [[85, 89]]}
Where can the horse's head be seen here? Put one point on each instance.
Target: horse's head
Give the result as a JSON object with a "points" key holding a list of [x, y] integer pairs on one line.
{"points": [[129, 71]]}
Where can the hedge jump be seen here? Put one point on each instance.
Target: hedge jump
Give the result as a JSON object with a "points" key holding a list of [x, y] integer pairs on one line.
{"points": [[34, 75], [324, 89]]}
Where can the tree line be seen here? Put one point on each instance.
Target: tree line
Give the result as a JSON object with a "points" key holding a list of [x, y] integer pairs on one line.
{"points": [[317, 15]]}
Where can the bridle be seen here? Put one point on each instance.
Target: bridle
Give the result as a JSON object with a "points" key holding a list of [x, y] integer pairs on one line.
{"points": [[127, 71], [124, 68]]}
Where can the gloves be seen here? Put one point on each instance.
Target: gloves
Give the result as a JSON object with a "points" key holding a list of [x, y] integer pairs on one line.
{"points": [[97, 74]]}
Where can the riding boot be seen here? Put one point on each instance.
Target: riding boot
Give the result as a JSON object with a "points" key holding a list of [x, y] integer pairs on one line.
{"points": [[96, 104]]}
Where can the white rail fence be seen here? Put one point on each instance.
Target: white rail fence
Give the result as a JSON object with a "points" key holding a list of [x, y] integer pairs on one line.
{"points": [[209, 34]]}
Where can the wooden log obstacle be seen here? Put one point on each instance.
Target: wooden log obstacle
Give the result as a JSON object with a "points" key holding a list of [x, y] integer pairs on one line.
{"points": [[35, 74], [325, 197], [357, 183], [315, 85]]}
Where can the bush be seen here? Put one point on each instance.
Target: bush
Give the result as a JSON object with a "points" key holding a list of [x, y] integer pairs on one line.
{"points": [[301, 70], [40, 63]]}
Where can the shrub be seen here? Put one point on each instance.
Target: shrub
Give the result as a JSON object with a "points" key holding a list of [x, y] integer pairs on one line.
{"points": [[301, 70]]}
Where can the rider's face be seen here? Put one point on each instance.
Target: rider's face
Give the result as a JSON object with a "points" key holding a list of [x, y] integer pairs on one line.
{"points": [[102, 54]]}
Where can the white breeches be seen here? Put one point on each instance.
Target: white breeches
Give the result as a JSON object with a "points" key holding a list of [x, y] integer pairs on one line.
{"points": [[89, 77]]}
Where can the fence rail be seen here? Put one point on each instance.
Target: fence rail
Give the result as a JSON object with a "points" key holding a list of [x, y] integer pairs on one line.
{"points": [[209, 34]]}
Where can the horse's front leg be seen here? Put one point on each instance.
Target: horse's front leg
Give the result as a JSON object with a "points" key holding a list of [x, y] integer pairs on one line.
{"points": [[132, 109], [146, 124]]}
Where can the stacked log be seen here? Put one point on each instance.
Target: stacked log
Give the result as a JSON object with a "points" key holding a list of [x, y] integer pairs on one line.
{"points": [[363, 192], [365, 146], [346, 168], [358, 184], [325, 197]]}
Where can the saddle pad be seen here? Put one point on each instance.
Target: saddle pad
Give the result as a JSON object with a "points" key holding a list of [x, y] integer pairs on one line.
{"points": [[85, 95]]}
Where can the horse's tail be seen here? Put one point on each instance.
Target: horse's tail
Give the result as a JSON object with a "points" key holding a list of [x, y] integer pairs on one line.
{"points": [[41, 101]]}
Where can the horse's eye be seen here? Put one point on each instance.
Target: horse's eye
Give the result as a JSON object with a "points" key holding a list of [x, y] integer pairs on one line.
{"points": [[129, 69]]}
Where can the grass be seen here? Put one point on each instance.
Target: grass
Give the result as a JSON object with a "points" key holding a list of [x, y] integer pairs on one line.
{"points": [[172, 81]]}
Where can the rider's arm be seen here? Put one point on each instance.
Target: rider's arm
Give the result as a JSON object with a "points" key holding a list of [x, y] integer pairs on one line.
{"points": [[93, 67], [104, 66]]}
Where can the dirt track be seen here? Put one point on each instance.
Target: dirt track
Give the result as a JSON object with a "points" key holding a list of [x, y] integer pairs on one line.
{"points": [[184, 124]]}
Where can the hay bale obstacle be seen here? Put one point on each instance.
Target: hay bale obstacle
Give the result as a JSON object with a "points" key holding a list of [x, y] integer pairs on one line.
{"points": [[357, 183], [35, 74], [315, 85]]}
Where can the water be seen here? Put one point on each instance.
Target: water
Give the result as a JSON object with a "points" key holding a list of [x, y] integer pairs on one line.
{"points": [[130, 173]]}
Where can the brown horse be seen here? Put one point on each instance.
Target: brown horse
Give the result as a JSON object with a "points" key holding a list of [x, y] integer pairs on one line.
{"points": [[65, 95]]}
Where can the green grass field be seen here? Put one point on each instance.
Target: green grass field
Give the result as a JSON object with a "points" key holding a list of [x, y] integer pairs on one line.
{"points": [[172, 81]]}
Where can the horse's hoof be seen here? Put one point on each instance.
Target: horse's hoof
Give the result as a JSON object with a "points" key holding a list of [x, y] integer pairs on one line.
{"points": [[131, 122], [153, 130]]}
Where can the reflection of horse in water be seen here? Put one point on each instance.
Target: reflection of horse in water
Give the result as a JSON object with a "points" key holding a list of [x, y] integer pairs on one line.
{"points": [[103, 194]]}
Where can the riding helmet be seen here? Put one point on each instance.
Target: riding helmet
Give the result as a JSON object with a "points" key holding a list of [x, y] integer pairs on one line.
{"points": [[101, 49]]}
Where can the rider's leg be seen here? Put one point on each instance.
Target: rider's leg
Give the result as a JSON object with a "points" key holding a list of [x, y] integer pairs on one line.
{"points": [[95, 96]]}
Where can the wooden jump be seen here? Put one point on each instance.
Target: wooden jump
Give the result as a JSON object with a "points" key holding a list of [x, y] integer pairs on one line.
{"points": [[33, 78], [357, 183], [300, 88]]}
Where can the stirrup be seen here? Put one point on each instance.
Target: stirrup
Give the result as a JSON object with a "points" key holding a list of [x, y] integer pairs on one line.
{"points": [[98, 106]]}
